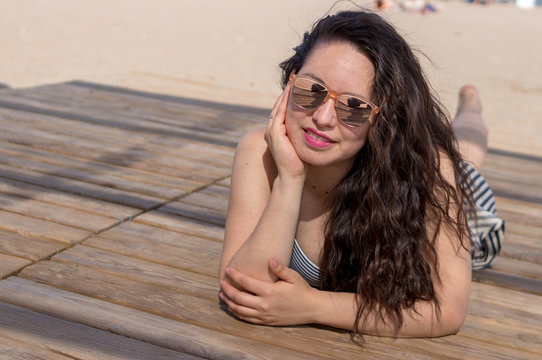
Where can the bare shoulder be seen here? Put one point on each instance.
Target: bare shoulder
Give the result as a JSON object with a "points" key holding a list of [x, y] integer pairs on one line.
{"points": [[447, 168], [254, 139]]}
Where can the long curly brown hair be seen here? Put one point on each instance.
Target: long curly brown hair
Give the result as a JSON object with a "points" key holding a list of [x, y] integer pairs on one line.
{"points": [[377, 242]]}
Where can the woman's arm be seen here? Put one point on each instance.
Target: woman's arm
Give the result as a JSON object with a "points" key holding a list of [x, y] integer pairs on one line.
{"points": [[453, 292], [261, 223], [292, 301]]}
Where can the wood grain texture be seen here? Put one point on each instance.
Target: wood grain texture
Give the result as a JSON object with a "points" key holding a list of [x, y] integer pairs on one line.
{"points": [[55, 213], [113, 203], [41, 229], [139, 325], [47, 334], [10, 264], [65, 199], [28, 247]]}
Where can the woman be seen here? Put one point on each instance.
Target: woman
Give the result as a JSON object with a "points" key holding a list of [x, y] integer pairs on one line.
{"points": [[359, 185]]}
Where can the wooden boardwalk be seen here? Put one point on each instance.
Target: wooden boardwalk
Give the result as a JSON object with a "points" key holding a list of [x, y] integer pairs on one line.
{"points": [[112, 210]]}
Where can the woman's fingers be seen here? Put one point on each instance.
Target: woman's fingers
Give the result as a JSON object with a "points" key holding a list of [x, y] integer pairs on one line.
{"points": [[278, 113], [242, 281], [240, 303], [232, 295]]}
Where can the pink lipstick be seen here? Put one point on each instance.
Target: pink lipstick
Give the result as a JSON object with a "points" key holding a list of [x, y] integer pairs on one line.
{"points": [[316, 139]]}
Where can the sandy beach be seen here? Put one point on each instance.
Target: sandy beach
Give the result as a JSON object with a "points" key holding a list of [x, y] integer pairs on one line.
{"points": [[228, 51]]}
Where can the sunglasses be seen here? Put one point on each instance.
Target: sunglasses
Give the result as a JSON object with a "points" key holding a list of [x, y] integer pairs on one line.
{"points": [[352, 110]]}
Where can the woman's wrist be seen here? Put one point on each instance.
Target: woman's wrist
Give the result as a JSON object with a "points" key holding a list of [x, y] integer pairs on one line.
{"points": [[289, 183], [336, 309]]}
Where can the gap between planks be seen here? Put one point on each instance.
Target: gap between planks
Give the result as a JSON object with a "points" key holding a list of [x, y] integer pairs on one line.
{"points": [[117, 223]]}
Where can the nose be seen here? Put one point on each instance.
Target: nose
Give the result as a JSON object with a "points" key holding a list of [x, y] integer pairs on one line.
{"points": [[325, 115]]}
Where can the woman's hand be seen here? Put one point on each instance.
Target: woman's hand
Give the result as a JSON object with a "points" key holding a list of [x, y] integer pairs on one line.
{"points": [[288, 162], [285, 302]]}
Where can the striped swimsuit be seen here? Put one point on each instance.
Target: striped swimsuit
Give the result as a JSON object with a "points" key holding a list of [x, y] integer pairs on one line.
{"points": [[487, 232]]}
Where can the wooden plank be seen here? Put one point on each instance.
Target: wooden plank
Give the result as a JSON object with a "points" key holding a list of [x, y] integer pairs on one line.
{"points": [[504, 315], [71, 201], [203, 118], [520, 252], [182, 225], [181, 307], [144, 269], [245, 112], [109, 137], [508, 189], [507, 280], [522, 178], [517, 267], [521, 207], [18, 350], [519, 217], [88, 176], [136, 157], [511, 237], [225, 182], [217, 191], [198, 311], [135, 324], [11, 264], [40, 229], [207, 205], [28, 247], [191, 283], [161, 256], [161, 246], [99, 167], [49, 212], [50, 335], [513, 164], [527, 304], [204, 214], [93, 114], [206, 198], [518, 341], [80, 188]]}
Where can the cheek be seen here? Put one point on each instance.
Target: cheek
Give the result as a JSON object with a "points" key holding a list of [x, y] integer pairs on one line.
{"points": [[292, 120], [357, 142]]}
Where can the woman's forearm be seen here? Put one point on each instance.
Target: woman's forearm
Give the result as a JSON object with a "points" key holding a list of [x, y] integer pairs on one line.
{"points": [[274, 234], [339, 309]]}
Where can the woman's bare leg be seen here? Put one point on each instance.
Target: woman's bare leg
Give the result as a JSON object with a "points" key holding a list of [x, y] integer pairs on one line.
{"points": [[469, 127]]}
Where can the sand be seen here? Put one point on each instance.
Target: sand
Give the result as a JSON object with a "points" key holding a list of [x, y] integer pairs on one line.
{"points": [[228, 51]]}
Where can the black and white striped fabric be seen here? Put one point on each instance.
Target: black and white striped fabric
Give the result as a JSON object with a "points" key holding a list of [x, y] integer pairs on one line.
{"points": [[487, 229], [304, 266], [487, 233]]}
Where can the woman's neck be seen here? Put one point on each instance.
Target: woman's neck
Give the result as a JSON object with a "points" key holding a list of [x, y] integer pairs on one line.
{"points": [[321, 180]]}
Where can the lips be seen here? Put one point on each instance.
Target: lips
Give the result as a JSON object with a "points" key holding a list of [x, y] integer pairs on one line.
{"points": [[316, 139]]}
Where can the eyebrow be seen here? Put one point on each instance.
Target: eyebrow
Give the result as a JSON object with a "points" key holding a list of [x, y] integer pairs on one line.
{"points": [[314, 77]]}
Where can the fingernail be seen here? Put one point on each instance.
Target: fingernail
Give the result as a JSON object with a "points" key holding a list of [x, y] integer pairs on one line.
{"points": [[228, 271], [274, 262]]}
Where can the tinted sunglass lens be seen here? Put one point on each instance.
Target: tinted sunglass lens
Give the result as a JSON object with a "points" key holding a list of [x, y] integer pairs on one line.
{"points": [[308, 94], [353, 111]]}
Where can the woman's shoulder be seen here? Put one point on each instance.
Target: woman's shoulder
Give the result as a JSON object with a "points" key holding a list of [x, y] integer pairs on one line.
{"points": [[253, 140]]}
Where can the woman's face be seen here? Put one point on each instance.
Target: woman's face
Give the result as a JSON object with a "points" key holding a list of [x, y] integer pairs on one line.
{"points": [[317, 135]]}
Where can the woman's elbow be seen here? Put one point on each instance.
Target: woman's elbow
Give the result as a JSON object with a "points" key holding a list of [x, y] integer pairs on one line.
{"points": [[451, 317]]}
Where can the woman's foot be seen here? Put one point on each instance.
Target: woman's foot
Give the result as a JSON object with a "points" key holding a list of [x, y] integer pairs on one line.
{"points": [[469, 100], [469, 127]]}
